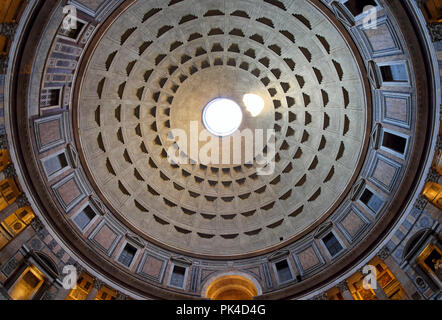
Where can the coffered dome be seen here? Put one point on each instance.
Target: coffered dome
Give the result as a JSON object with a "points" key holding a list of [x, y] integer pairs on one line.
{"points": [[157, 67], [220, 148]]}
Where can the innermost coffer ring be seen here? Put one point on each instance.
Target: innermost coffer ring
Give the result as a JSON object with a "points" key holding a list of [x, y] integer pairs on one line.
{"points": [[222, 117]]}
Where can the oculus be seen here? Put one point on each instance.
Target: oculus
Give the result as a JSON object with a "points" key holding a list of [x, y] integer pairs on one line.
{"points": [[222, 117]]}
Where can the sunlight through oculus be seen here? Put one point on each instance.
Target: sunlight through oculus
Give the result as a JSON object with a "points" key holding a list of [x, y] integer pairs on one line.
{"points": [[254, 104], [222, 117]]}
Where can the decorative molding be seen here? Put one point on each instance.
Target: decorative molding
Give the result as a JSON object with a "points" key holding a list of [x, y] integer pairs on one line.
{"points": [[8, 30], [394, 167], [147, 255], [194, 279], [98, 204], [342, 14], [267, 275], [10, 266], [60, 253], [106, 8], [255, 271], [73, 155], [354, 235], [385, 106], [435, 30], [420, 282], [82, 193], [108, 223], [137, 240], [97, 284], [439, 143], [181, 260], [384, 253], [36, 244], [278, 255], [51, 245], [373, 75], [323, 228], [9, 171], [79, 268], [80, 6], [4, 61], [421, 202], [3, 137], [296, 252], [433, 176], [343, 286], [368, 39], [321, 296], [121, 296], [36, 224], [375, 136], [356, 189], [22, 201], [62, 121]]}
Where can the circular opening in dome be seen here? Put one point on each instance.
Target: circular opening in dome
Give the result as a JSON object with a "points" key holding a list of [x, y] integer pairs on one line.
{"points": [[222, 117]]}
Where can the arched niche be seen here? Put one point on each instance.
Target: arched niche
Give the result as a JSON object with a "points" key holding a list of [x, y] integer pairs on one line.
{"points": [[231, 286]]}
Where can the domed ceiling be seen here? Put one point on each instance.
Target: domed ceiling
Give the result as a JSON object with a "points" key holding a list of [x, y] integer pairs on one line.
{"points": [[108, 138], [156, 68]]}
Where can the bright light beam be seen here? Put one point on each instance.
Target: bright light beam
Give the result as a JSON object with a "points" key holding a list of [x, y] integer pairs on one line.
{"points": [[254, 104]]}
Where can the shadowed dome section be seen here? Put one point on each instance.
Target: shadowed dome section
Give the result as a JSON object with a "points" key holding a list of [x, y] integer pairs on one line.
{"points": [[231, 287], [154, 70]]}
